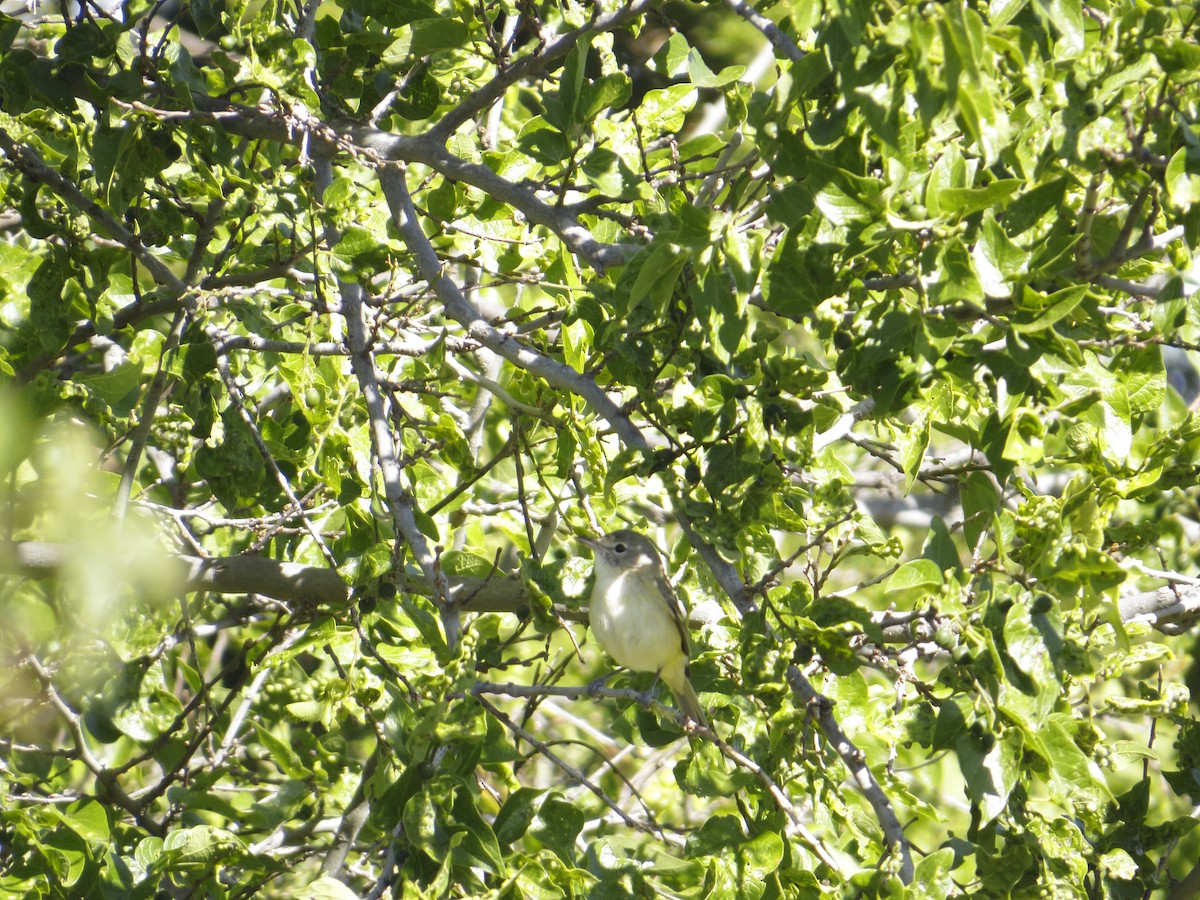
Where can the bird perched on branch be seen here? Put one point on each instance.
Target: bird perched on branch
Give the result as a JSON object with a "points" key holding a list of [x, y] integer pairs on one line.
{"points": [[636, 616]]}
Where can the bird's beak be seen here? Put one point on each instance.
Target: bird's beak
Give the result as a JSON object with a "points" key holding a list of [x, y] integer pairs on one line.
{"points": [[590, 542]]}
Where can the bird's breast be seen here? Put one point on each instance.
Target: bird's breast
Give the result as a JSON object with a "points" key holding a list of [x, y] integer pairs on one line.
{"points": [[633, 623]]}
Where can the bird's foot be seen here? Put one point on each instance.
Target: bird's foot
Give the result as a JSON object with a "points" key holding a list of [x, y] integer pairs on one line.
{"points": [[595, 685], [647, 697]]}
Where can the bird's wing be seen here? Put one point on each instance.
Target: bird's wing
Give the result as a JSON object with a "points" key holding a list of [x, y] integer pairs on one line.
{"points": [[677, 613]]}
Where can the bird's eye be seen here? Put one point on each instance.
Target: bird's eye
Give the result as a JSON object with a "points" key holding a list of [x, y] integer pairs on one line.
{"points": [[619, 548]]}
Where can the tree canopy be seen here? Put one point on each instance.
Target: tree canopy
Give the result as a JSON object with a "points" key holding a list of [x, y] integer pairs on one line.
{"points": [[325, 328]]}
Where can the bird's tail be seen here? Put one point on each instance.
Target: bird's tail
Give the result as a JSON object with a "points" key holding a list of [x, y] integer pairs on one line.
{"points": [[677, 680]]}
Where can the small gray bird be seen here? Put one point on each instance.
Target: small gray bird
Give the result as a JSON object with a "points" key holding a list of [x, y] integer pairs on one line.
{"points": [[636, 616]]}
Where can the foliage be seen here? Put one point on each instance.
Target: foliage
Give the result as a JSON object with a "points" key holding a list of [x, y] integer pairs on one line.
{"points": [[860, 309]]}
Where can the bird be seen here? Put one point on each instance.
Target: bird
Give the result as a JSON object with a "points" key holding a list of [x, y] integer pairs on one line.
{"points": [[636, 616]]}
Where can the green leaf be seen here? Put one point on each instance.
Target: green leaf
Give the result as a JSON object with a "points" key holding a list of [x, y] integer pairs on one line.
{"points": [[516, 815], [1023, 444], [1183, 180], [113, 386], [1057, 306], [800, 277], [965, 201], [979, 504], [1176, 55], [610, 91], [606, 171], [282, 754], [49, 310], [933, 878], [355, 244], [1067, 19], [557, 824], [1072, 769], [940, 548], [702, 76], [88, 819], [1001, 12], [563, 107], [328, 888], [913, 444], [480, 841], [200, 845], [462, 564], [990, 767], [664, 109], [318, 633], [431, 35], [954, 715], [706, 773], [672, 58], [914, 581], [657, 277], [421, 96], [1025, 640], [1028, 209], [577, 344], [1145, 379], [998, 260]]}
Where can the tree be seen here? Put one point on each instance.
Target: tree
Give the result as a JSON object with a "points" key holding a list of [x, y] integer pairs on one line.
{"points": [[327, 326]]}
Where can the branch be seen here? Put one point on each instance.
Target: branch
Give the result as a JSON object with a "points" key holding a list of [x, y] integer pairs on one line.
{"points": [[1171, 609], [577, 238], [562, 764], [225, 343], [27, 161], [585, 692], [842, 426], [399, 499], [778, 795], [531, 65], [459, 308], [224, 575], [376, 147], [855, 761], [780, 41]]}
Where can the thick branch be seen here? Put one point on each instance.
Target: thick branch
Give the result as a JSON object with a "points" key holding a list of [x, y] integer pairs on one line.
{"points": [[225, 575], [1172, 609]]}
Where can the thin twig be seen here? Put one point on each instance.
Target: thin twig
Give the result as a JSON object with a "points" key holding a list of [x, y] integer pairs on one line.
{"points": [[566, 768]]}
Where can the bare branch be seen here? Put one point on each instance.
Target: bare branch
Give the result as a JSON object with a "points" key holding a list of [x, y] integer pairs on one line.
{"points": [[1171, 609], [399, 499]]}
